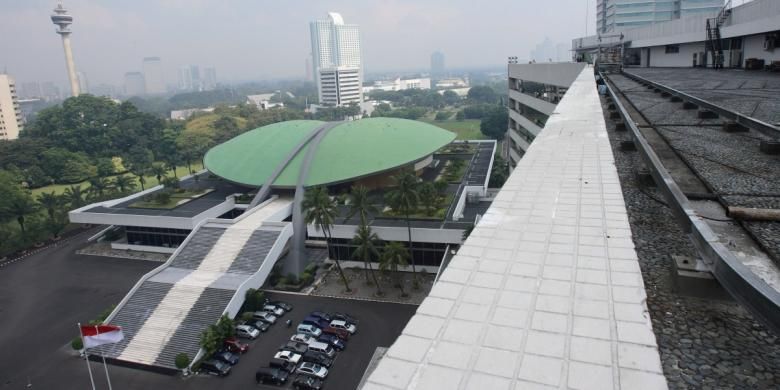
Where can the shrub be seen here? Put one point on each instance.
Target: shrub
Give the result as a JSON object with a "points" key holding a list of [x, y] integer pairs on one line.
{"points": [[292, 279], [282, 281], [460, 115], [311, 268], [443, 115], [182, 361], [306, 278], [77, 344], [162, 197]]}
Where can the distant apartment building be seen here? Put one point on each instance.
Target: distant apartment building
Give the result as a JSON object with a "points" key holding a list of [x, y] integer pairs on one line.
{"points": [[399, 84], [263, 101], [153, 76], [189, 78], [209, 80], [11, 119], [438, 70], [187, 113], [337, 61], [618, 15], [135, 84], [534, 91]]}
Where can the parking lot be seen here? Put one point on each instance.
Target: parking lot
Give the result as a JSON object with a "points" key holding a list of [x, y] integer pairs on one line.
{"points": [[380, 324], [43, 296]]}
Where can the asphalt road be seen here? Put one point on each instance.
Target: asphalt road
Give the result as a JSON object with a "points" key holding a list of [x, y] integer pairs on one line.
{"points": [[45, 295]]}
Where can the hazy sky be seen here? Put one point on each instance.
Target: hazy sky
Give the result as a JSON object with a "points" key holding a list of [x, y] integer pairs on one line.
{"points": [[259, 39]]}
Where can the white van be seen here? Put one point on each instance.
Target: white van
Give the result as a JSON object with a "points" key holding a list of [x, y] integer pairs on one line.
{"points": [[322, 348]]}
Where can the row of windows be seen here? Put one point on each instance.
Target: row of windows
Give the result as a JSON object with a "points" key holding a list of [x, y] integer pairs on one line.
{"points": [[424, 253], [546, 92], [537, 117]]}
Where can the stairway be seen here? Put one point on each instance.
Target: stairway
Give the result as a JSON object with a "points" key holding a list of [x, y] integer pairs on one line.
{"points": [[714, 43]]}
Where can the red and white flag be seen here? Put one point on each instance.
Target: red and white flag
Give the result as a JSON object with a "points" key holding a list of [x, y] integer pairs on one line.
{"points": [[95, 335]]}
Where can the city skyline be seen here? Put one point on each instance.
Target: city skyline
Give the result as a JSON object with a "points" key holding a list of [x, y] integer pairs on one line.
{"points": [[391, 34]]}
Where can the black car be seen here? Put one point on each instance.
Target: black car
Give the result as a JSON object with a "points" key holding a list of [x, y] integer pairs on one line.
{"points": [[226, 357], [215, 367], [345, 317], [284, 306], [317, 358], [283, 365], [295, 347], [305, 382], [335, 342], [271, 375]]}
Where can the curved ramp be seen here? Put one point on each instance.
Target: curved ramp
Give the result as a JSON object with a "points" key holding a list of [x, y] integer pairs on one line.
{"points": [[169, 308]]}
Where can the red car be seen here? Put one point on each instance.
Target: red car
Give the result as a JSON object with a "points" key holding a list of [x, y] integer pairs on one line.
{"points": [[233, 345], [340, 333]]}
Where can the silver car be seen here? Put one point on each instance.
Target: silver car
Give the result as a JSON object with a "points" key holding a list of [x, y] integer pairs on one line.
{"points": [[264, 316], [277, 311], [312, 369]]}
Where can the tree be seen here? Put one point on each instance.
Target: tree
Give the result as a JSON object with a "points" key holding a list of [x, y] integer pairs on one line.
{"points": [[158, 171], [483, 94], [404, 199], [192, 145], [98, 186], [450, 97], [366, 245], [443, 115], [50, 202], [459, 116], [429, 198], [500, 172], [394, 256], [74, 197], [124, 183], [495, 123], [320, 210], [359, 204], [18, 204], [138, 162], [182, 361]]}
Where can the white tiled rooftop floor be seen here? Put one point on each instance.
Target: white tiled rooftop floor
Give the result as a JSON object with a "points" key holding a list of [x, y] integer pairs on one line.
{"points": [[547, 291]]}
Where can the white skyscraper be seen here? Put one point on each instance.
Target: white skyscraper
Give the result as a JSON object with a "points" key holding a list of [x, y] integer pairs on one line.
{"points": [[153, 75], [337, 60], [63, 20], [11, 120]]}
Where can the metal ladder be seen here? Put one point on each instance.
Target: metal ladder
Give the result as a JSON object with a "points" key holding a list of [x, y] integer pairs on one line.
{"points": [[714, 44]]}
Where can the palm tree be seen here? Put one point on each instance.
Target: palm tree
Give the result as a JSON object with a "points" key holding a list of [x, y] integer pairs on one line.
{"points": [[366, 249], [98, 186], [20, 206], [394, 256], [429, 198], [123, 183], [404, 198], [320, 210], [360, 204], [158, 170], [51, 202], [74, 196]]}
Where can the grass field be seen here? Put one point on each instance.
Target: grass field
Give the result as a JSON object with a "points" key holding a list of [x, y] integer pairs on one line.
{"points": [[151, 181], [207, 122], [465, 129]]}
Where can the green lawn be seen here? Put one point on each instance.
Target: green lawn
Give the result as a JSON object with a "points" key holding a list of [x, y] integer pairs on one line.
{"points": [[466, 129], [151, 181]]}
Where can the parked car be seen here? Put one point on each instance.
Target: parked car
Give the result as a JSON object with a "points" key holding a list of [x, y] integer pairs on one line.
{"points": [[215, 367], [315, 321], [283, 305], [247, 332], [264, 316], [310, 330], [351, 328], [232, 344], [302, 338], [226, 357], [334, 341], [345, 317], [271, 375], [307, 383], [283, 365], [312, 369], [295, 347], [259, 325], [317, 358], [273, 309], [340, 333], [291, 357], [321, 315], [322, 348]]}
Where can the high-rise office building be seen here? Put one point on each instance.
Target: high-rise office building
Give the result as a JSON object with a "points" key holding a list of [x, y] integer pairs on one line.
{"points": [[438, 70], [209, 80], [11, 119], [63, 20], [153, 75], [135, 84], [617, 15], [336, 57], [189, 78]]}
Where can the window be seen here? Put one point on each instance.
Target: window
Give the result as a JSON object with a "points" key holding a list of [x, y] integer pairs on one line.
{"points": [[672, 49]]}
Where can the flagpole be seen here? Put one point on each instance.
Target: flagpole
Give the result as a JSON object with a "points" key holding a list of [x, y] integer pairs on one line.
{"points": [[105, 367], [86, 354]]}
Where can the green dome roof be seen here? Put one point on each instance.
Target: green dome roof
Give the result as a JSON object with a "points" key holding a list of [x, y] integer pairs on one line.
{"points": [[348, 151]]}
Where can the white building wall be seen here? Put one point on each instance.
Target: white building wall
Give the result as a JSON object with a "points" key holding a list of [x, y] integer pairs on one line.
{"points": [[753, 47], [11, 119], [684, 58]]}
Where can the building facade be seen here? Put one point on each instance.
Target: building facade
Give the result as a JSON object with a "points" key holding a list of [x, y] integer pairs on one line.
{"points": [[438, 70], [534, 91], [189, 78], [11, 119], [399, 84], [135, 84], [209, 81], [618, 15], [337, 61], [153, 75]]}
